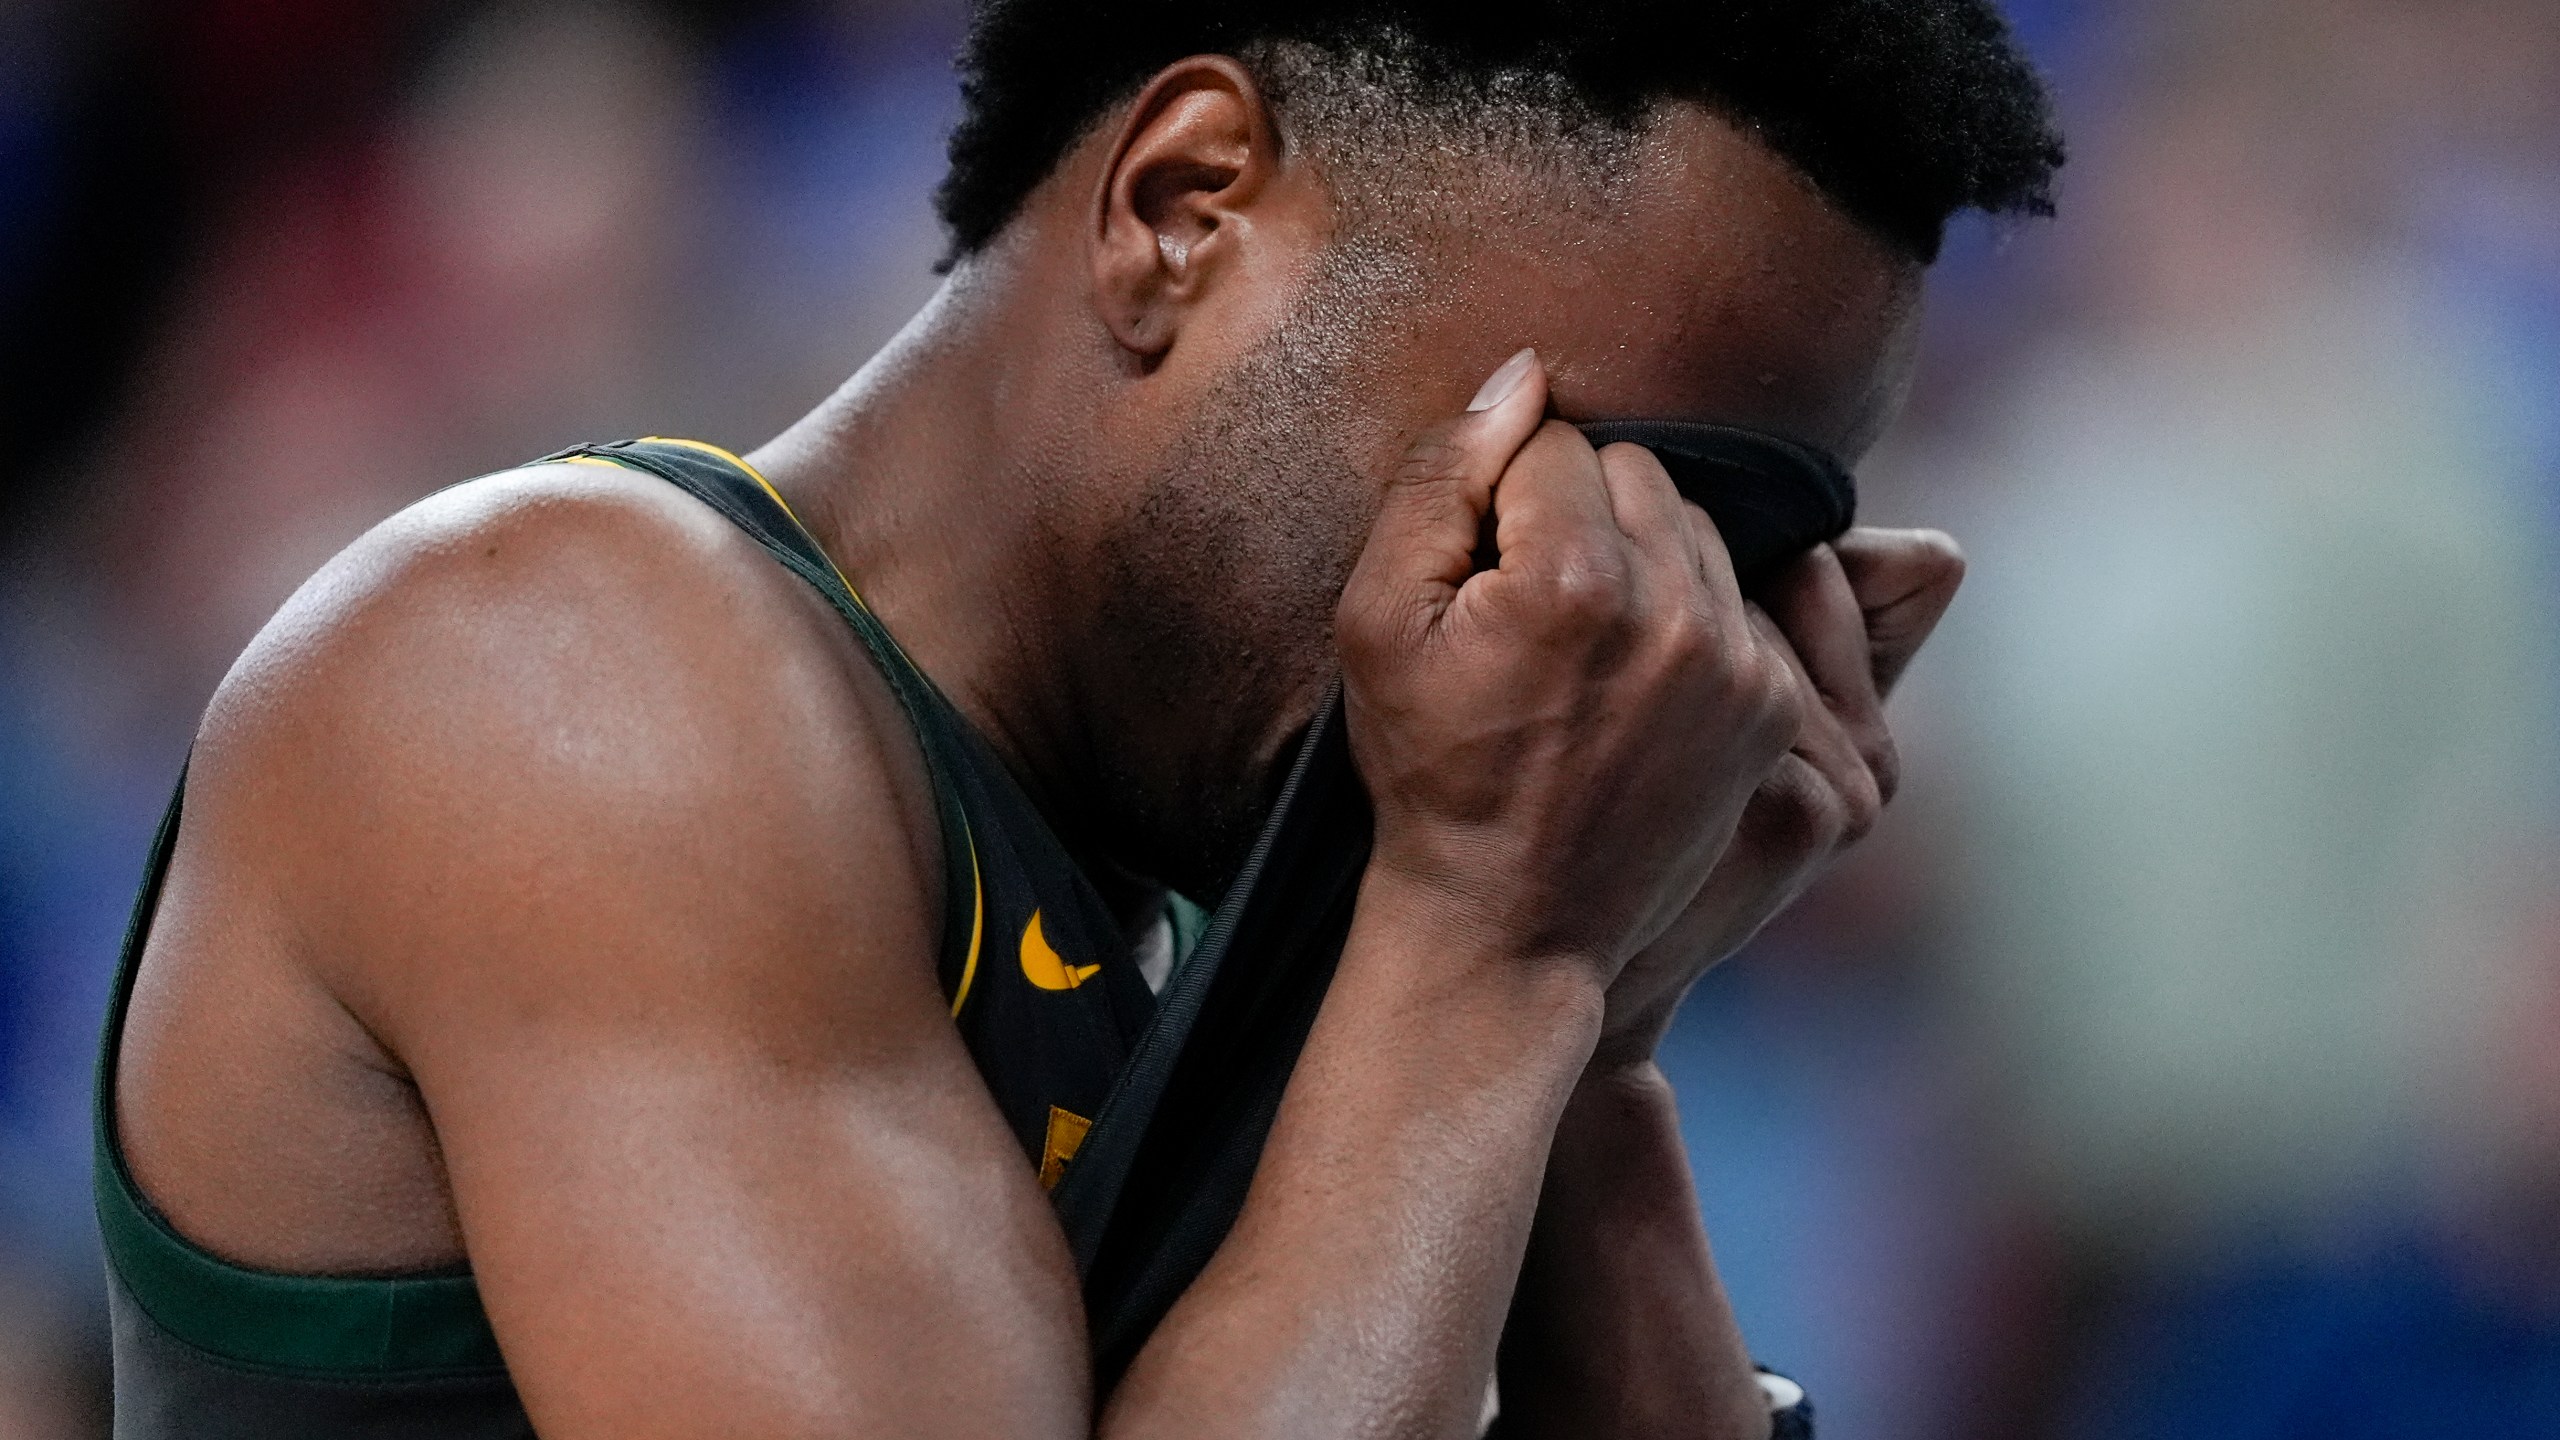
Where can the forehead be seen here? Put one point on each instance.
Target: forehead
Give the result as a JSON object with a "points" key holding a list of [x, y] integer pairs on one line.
{"points": [[1708, 281]]}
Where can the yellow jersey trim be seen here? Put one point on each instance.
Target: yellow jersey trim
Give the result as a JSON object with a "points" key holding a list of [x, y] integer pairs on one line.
{"points": [[707, 448], [977, 880], [977, 922]]}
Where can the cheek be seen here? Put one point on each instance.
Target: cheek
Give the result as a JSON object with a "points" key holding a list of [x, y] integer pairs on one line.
{"points": [[1228, 571]]}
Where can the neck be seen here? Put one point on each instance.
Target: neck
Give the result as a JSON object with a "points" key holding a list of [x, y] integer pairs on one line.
{"points": [[924, 479]]}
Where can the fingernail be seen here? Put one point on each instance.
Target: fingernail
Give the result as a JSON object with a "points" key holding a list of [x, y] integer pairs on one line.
{"points": [[1499, 385]]}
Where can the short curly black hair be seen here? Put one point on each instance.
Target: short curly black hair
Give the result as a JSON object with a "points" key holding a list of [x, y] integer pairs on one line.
{"points": [[1903, 112]]}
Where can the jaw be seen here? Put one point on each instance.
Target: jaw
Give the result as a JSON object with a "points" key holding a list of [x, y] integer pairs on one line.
{"points": [[1212, 649]]}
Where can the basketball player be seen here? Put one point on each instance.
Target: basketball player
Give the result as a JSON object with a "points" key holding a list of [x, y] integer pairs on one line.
{"points": [[645, 929]]}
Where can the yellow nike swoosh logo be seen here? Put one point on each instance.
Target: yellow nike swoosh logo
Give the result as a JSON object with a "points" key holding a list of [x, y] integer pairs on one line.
{"points": [[1042, 966]]}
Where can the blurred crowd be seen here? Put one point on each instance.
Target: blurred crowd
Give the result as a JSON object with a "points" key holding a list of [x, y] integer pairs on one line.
{"points": [[2181, 1058]]}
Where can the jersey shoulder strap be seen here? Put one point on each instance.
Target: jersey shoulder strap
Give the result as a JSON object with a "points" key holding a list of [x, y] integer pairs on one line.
{"points": [[742, 496], [747, 500], [1040, 976]]}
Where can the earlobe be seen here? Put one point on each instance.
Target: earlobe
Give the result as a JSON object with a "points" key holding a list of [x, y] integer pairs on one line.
{"points": [[1198, 147]]}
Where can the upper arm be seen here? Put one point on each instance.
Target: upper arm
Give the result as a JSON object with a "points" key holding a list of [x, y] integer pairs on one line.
{"points": [[622, 857]]}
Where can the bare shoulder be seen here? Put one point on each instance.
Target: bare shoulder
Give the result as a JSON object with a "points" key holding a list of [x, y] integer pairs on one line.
{"points": [[604, 606], [604, 862], [556, 697]]}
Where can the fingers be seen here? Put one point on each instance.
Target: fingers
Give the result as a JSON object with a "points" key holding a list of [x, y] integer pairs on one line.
{"points": [[1552, 519], [1832, 786], [1422, 547], [1812, 605], [1670, 537], [1817, 611], [1904, 580], [1715, 562]]}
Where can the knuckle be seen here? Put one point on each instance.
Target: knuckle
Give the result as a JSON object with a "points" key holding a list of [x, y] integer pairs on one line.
{"points": [[1557, 437], [1740, 674], [1783, 703], [1689, 641], [1795, 818], [1758, 677], [1369, 629], [1434, 456], [1884, 764], [1627, 461], [1701, 526], [1584, 589], [1860, 806]]}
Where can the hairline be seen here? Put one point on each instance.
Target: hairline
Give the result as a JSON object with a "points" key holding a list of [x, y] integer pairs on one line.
{"points": [[1553, 144]]}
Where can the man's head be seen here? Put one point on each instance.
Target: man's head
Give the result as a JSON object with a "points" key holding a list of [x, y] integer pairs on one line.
{"points": [[1902, 111], [1250, 248]]}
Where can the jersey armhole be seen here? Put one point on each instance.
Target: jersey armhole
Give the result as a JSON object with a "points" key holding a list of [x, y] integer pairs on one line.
{"points": [[322, 1326], [361, 1328]]}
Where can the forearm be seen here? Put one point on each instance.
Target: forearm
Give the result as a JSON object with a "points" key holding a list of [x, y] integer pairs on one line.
{"points": [[1620, 1329], [1363, 1288]]}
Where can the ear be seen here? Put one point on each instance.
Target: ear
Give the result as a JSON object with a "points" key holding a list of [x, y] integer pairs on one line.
{"points": [[1174, 207]]}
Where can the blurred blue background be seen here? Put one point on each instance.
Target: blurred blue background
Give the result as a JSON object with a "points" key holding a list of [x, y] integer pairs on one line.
{"points": [[2181, 1058]]}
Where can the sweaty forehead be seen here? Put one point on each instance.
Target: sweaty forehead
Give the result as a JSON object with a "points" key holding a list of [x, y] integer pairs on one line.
{"points": [[1708, 281]]}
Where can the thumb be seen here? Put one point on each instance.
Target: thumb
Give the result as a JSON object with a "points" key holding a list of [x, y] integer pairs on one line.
{"points": [[1423, 545]]}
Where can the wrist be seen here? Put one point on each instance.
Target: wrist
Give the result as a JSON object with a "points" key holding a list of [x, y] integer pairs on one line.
{"points": [[1621, 1122], [1433, 944], [1462, 915], [1618, 1152]]}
